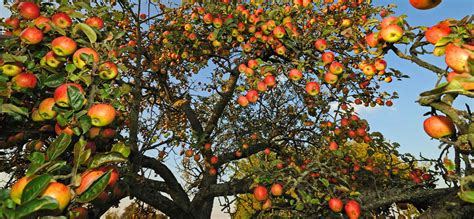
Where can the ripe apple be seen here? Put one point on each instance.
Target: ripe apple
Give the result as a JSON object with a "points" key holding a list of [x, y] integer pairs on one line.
{"points": [[330, 78], [391, 33], [11, 69], [87, 179], [36, 117], [336, 68], [45, 108], [42, 23], [388, 21], [212, 171], [60, 192], [80, 213], [252, 96], [369, 70], [346, 22], [372, 39], [313, 88], [320, 44], [260, 193], [63, 130], [436, 32], [243, 101], [295, 74], [96, 22], [114, 175], [63, 46], [217, 22], [277, 189], [101, 114], [29, 10], [31, 35], [60, 94], [108, 133], [108, 70], [281, 50], [279, 32], [335, 204], [333, 146], [439, 126], [261, 86], [270, 80], [352, 209], [12, 22], [214, 160], [62, 20], [189, 153], [50, 60], [18, 187], [24, 81], [465, 79], [78, 60], [458, 58], [380, 64], [207, 18], [327, 57], [424, 4], [252, 63]]}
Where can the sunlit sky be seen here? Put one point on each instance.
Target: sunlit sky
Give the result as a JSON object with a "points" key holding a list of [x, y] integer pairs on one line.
{"points": [[402, 122]]}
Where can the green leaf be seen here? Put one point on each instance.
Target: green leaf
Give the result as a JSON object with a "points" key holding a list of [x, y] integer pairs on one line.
{"points": [[85, 123], [324, 181], [79, 149], [7, 57], [443, 41], [56, 165], [86, 78], [36, 205], [95, 189], [76, 98], [90, 33], [35, 187], [12, 109], [54, 80], [70, 68], [121, 148], [103, 158], [58, 146], [37, 157]]}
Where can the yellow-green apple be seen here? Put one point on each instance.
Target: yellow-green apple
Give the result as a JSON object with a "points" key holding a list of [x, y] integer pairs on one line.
{"points": [[388, 21], [31, 35], [63, 46], [58, 191], [270, 80], [369, 70], [60, 94], [436, 32], [51, 60], [247, 47], [330, 78], [29, 10], [313, 88], [327, 57], [380, 64], [335, 204], [336, 68], [79, 62], [260, 193], [11, 69], [63, 130], [24, 81], [12, 22], [277, 189], [346, 22], [108, 70], [279, 32], [36, 117], [391, 33], [17, 188], [62, 20], [352, 209], [252, 63], [372, 39], [439, 126], [42, 23], [295, 74], [424, 4], [320, 44], [101, 114], [243, 101], [252, 96], [457, 58], [96, 22], [45, 108]]}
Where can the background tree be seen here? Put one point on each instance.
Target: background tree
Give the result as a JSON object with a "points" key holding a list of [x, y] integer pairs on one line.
{"points": [[214, 86]]}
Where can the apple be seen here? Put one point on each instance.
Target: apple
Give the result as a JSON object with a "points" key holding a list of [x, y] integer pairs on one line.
{"points": [[320, 44], [327, 57], [63, 46], [12, 22], [281, 50], [63, 130], [207, 146], [101, 114], [336, 68], [335, 204], [91, 146], [260, 193], [270, 80], [252, 96], [252, 63], [243, 101], [11, 69], [45, 108], [94, 132], [346, 22], [369, 70], [31, 35], [465, 79], [217, 22], [24, 81], [17, 188], [333, 146], [279, 32], [207, 18], [108, 133], [62, 20], [352, 209], [50, 60], [458, 58], [277, 189], [330, 78], [261, 86], [312, 88], [436, 32], [391, 33], [380, 64], [80, 213], [78, 60], [295, 74], [96, 22], [424, 4], [90, 176], [439, 126], [60, 192], [212, 171], [372, 39], [108, 70], [42, 23], [114, 174], [60, 94], [214, 160], [36, 117], [388, 21], [189, 153], [29, 10]]}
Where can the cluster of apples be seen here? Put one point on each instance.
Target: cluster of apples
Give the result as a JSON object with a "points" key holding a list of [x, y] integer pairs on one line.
{"points": [[391, 31], [352, 207]]}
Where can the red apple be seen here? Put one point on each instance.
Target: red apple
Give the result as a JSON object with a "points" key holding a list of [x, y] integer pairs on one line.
{"points": [[277, 189], [243, 101], [42, 23], [436, 32], [424, 4], [270, 80], [79, 62], [217, 22], [335, 204], [45, 108], [17, 188], [352, 209], [313, 88], [369, 70], [295, 74], [279, 32], [336, 68], [330, 78], [60, 94], [260, 193], [101, 114], [108, 70], [388, 21], [252, 96], [214, 160], [63, 46], [62, 20], [207, 18], [320, 44], [29, 10], [327, 57], [63, 130], [12, 22], [31, 35], [458, 58], [261, 86], [24, 81], [252, 63], [333, 146], [372, 39], [50, 60], [96, 22], [380, 64], [439, 126], [391, 33], [60, 192]]}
